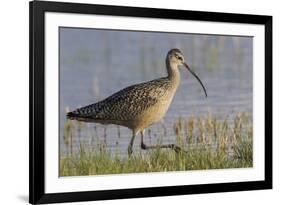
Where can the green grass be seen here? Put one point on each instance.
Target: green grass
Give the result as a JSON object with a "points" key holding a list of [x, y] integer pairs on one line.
{"points": [[208, 143]]}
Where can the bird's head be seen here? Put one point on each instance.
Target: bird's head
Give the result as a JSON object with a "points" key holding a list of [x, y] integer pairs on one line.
{"points": [[175, 57]]}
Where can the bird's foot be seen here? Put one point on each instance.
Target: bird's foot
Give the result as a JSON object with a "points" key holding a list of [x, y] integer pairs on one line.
{"points": [[143, 146], [176, 148]]}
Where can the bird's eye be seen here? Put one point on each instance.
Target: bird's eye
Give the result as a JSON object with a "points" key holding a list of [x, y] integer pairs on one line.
{"points": [[178, 57]]}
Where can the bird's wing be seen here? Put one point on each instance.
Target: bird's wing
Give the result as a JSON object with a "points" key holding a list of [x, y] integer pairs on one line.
{"points": [[123, 105]]}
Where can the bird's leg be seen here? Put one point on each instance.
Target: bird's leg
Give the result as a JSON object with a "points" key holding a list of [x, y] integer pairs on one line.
{"points": [[171, 146], [143, 146], [130, 147]]}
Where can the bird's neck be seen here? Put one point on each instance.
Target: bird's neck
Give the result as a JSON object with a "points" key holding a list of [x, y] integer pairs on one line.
{"points": [[173, 72]]}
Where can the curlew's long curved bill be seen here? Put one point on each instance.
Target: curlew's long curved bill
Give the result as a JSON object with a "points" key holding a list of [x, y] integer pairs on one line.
{"points": [[188, 68]]}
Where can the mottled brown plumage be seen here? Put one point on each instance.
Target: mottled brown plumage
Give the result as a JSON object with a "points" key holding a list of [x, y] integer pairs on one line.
{"points": [[126, 104], [137, 106]]}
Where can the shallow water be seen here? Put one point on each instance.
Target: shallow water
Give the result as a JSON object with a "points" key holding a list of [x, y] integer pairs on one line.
{"points": [[96, 63]]}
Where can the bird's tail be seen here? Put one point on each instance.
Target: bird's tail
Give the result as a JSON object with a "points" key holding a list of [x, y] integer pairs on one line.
{"points": [[72, 115], [81, 114]]}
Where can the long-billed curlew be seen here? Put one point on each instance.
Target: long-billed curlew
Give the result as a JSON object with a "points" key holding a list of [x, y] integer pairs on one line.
{"points": [[138, 106]]}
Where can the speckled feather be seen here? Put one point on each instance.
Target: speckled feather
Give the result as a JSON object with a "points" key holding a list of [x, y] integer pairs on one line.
{"points": [[126, 104]]}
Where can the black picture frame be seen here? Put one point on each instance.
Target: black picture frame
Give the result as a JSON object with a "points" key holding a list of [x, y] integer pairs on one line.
{"points": [[37, 192]]}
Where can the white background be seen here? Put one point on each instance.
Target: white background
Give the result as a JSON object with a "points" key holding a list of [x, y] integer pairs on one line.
{"points": [[14, 100]]}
